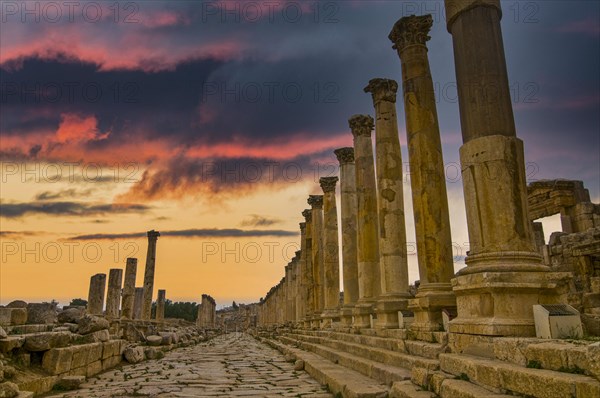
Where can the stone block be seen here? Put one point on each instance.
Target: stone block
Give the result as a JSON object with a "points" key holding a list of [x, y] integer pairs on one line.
{"points": [[90, 324], [13, 316], [133, 354], [111, 362], [551, 356], [593, 357], [94, 368], [41, 313], [57, 360], [70, 382], [111, 348], [46, 341], [154, 340], [10, 343], [94, 352], [80, 356], [8, 390]]}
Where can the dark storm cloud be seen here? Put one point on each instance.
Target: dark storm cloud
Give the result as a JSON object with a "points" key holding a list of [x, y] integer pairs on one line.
{"points": [[196, 233], [65, 193], [16, 210]]}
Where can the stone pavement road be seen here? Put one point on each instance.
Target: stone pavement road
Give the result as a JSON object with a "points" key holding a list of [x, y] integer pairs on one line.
{"points": [[232, 365]]}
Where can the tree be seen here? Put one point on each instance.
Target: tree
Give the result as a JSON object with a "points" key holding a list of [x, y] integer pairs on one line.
{"points": [[78, 302]]}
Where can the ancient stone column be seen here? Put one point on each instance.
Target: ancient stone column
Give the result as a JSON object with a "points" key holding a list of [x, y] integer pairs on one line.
{"points": [[113, 297], [95, 304], [305, 277], [316, 202], [308, 270], [369, 276], [298, 289], [137, 303], [331, 257], [287, 291], [348, 213], [392, 227], [149, 274], [504, 276], [427, 175], [160, 305], [129, 289]]}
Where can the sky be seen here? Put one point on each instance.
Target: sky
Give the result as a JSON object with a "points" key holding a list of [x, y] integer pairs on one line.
{"points": [[211, 122]]}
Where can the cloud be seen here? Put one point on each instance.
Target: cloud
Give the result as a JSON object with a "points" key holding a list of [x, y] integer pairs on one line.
{"points": [[254, 220], [588, 26], [195, 233], [20, 234], [17, 210], [65, 193]]}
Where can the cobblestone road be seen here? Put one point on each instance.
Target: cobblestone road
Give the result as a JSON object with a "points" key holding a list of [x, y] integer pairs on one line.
{"points": [[232, 365]]}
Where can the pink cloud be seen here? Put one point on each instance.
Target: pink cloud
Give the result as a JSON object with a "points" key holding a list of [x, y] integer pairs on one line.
{"points": [[589, 26]]}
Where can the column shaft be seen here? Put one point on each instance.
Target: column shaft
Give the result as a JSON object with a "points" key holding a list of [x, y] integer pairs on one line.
{"points": [[331, 257], [129, 288], [160, 305], [149, 274], [369, 282], [316, 201], [95, 304], [113, 297], [349, 234]]}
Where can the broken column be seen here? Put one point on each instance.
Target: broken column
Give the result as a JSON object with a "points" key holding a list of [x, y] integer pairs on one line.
{"points": [[392, 227], [316, 202], [113, 297], [504, 276], [331, 257], [427, 175], [160, 305], [369, 280], [348, 213], [129, 288], [137, 303], [95, 304], [149, 274]]}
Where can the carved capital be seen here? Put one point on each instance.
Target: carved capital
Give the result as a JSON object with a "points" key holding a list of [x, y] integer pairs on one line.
{"points": [[153, 235], [345, 155], [411, 31], [382, 90], [361, 125], [316, 201], [328, 183], [302, 227], [307, 214]]}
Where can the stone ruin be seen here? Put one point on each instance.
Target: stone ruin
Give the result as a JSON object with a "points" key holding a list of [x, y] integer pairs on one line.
{"points": [[42, 347], [207, 315], [469, 334]]}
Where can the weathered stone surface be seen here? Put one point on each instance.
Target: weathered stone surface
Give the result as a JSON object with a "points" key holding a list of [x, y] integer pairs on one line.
{"points": [[593, 357], [10, 343], [46, 341], [153, 353], [95, 337], [8, 390], [13, 316], [299, 365], [17, 304], [133, 354], [57, 360], [70, 382], [91, 323], [70, 315], [154, 340], [3, 334], [41, 313]]}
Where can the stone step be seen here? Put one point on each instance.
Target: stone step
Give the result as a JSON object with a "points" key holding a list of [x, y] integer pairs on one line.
{"points": [[463, 389], [381, 355], [419, 348], [405, 389], [502, 376], [384, 373], [340, 380]]}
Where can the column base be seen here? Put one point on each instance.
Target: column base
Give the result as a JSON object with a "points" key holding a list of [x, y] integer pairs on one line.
{"points": [[328, 317], [428, 306], [387, 309], [498, 301], [346, 315], [362, 314], [315, 320]]}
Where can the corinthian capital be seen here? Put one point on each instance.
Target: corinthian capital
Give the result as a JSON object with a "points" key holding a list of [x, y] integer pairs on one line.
{"points": [[361, 125], [345, 155], [410, 31], [316, 201], [382, 90], [328, 183], [307, 214]]}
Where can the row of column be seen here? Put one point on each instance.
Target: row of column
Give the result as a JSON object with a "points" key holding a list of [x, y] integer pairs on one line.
{"points": [[123, 299], [496, 291]]}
